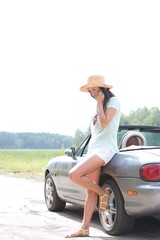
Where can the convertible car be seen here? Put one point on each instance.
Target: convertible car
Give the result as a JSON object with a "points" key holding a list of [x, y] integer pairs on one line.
{"points": [[132, 178]]}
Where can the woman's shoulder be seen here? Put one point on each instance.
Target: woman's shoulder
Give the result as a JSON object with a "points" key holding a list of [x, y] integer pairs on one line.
{"points": [[114, 99], [114, 102]]}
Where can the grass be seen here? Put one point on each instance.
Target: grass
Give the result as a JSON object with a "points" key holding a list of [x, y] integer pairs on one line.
{"points": [[26, 163]]}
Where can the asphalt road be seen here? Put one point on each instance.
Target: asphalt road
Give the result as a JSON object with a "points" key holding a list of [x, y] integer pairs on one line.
{"points": [[23, 216]]}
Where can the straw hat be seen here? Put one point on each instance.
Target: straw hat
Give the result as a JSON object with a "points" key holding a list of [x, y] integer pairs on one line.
{"points": [[95, 81]]}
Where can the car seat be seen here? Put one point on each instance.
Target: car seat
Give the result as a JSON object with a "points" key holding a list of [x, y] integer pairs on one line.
{"points": [[132, 138]]}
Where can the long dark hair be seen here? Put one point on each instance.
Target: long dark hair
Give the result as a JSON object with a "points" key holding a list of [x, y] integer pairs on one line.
{"points": [[107, 95]]}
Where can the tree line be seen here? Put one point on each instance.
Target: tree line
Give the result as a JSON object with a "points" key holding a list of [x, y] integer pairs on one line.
{"points": [[34, 141], [142, 116]]}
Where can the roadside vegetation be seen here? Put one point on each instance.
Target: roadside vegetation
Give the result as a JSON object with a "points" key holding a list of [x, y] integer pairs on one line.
{"points": [[26, 163]]}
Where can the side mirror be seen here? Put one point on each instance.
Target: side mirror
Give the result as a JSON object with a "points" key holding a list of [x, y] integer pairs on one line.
{"points": [[70, 152]]}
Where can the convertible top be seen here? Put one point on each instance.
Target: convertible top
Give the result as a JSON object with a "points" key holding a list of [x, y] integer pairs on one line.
{"points": [[141, 128]]}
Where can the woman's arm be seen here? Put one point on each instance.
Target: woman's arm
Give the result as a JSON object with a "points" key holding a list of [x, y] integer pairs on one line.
{"points": [[107, 116]]}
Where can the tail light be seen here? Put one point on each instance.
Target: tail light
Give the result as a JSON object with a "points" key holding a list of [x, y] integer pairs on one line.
{"points": [[150, 172]]}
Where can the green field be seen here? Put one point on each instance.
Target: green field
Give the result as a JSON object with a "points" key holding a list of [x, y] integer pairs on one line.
{"points": [[26, 163]]}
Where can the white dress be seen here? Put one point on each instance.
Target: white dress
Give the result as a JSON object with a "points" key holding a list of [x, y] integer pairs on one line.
{"points": [[103, 141]]}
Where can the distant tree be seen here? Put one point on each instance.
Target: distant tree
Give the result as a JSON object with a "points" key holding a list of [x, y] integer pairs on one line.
{"points": [[154, 117], [143, 116], [78, 137]]}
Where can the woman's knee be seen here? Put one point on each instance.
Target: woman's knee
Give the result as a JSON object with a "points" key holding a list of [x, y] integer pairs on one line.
{"points": [[72, 175]]}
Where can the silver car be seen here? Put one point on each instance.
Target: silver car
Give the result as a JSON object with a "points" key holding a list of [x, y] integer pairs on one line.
{"points": [[132, 178]]}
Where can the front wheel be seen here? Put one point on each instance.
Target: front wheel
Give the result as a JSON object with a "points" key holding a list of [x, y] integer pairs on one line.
{"points": [[53, 202], [115, 220]]}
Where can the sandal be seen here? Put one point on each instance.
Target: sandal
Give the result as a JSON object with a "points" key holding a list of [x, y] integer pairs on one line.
{"points": [[103, 204], [80, 233]]}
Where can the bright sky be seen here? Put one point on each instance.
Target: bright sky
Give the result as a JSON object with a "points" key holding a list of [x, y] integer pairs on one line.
{"points": [[49, 48]]}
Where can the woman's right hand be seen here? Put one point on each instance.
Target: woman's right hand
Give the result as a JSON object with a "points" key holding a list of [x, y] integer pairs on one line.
{"points": [[100, 97]]}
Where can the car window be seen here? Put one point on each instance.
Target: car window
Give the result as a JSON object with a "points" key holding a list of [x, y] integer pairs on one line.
{"points": [[82, 149]]}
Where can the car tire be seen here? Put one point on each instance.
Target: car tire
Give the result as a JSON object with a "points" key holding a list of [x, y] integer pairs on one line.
{"points": [[115, 220], [53, 202]]}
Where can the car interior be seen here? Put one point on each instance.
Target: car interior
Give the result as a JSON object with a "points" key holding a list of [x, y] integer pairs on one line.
{"points": [[132, 138]]}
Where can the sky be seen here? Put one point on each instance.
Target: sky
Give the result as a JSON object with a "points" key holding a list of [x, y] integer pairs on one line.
{"points": [[48, 49]]}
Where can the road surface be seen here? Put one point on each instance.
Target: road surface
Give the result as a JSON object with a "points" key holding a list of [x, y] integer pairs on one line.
{"points": [[24, 216]]}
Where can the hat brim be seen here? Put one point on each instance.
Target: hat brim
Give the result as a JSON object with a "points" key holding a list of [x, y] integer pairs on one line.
{"points": [[85, 87]]}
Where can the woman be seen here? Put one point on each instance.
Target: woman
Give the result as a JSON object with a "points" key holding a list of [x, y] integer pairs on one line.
{"points": [[102, 148]]}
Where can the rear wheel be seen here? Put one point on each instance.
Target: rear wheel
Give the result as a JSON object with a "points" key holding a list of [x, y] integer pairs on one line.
{"points": [[53, 202], [115, 220]]}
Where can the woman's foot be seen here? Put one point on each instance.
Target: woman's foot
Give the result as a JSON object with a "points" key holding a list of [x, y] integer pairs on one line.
{"points": [[81, 233], [103, 202]]}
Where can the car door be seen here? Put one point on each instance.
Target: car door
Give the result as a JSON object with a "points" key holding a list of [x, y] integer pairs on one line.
{"points": [[73, 192]]}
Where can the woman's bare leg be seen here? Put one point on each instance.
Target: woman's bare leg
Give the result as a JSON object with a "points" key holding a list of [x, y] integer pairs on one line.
{"points": [[78, 174], [91, 200], [90, 204], [86, 174]]}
